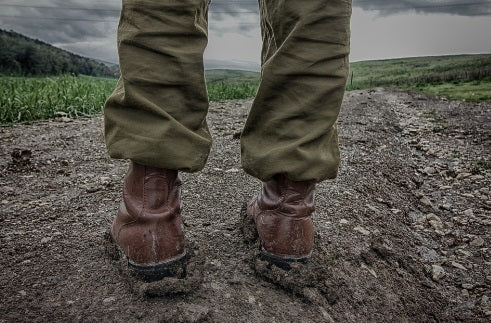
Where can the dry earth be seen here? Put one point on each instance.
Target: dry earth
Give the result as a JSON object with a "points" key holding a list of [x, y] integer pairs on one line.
{"points": [[403, 233]]}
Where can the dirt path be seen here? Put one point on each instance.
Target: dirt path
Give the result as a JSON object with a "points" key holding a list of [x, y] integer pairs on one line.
{"points": [[403, 233]]}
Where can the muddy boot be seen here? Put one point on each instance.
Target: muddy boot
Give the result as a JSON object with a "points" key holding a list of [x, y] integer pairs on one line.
{"points": [[148, 227], [282, 214]]}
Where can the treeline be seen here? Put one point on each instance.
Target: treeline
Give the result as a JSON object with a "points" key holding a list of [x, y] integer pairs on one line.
{"points": [[24, 56]]}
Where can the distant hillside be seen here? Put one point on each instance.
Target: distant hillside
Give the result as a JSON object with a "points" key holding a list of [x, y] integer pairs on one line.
{"points": [[231, 76], [24, 56], [419, 70]]}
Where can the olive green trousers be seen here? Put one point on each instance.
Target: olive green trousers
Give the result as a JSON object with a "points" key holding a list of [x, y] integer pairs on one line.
{"points": [[157, 114]]}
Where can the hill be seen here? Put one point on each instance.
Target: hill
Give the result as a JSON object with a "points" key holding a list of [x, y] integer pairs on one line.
{"points": [[24, 56], [422, 70]]}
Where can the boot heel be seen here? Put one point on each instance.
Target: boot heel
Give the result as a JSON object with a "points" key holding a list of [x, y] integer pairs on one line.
{"points": [[174, 268], [282, 262]]}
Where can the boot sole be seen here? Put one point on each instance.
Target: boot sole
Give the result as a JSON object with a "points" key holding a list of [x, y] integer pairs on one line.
{"points": [[174, 268], [282, 262]]}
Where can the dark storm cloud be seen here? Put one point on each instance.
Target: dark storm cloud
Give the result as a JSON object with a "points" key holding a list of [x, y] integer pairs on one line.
{"points": [[454, 7]]}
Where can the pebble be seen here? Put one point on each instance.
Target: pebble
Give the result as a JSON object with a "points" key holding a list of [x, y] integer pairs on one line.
{"points": [[343, 221], [446, 206], [425, 201], [429, 170], [45, 240], [463, 175], [477, 242], [232, 170], [468, 286], [437, 272], [22, 293], [457, 265], [469, 213], [251, 299], [109, 299], [361, 230]]}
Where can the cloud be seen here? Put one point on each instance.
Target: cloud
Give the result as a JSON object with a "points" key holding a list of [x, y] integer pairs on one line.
{"points": [[454, 7]]}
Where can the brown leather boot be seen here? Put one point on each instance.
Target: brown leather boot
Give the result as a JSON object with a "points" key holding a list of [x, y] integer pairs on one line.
{"points": [[282, 214], [148, 226]]}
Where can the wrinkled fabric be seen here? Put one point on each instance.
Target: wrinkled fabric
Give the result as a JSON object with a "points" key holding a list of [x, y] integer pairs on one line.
{"points": [[156, 115]]}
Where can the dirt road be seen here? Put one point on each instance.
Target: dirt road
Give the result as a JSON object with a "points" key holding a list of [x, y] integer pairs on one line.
{"points": [[403, 233]]}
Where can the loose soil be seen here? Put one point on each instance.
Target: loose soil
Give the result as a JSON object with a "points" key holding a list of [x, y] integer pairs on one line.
{"points": [[403, 233]]}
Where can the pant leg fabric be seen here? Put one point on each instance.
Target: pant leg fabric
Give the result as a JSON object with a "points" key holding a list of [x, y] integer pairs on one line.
{"points": [[156, 115], [292, 125]]}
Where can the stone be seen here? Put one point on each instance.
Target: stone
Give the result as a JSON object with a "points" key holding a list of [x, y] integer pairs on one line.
{"points": [[437, 272], [425, 201], [458, 265], [109, 300], [477, 242], [429, 170], [469, 213], [361, 230], [463, 175], [343, 221]]}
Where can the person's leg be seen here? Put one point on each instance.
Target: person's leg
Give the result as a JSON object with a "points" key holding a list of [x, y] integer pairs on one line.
{"points": [[290, 138], [156, 118], [291, 128], [156, 115]]}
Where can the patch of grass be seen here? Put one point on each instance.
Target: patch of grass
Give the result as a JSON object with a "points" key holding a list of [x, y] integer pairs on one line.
{"points": [[457, 77], [34, 98], [473, 91], [25, 99]]}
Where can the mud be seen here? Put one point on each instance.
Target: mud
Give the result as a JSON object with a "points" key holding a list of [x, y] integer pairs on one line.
{"points": [[402, 233]]}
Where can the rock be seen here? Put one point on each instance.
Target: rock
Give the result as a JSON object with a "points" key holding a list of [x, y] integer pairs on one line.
{"points": [[463, 175], [428, 254], [425, 201], [343, 221], [468, 286], [109, 300], [429, 170], [45, 240], [477, 242], [251, 299], [446, 206], [437, 272], [22, 293], [457, 265], [361, 230], [465, 292], [94, 189], [469, 213], [232, 170]]}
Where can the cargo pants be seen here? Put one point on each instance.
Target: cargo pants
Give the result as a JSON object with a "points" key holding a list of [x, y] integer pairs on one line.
{"points": [[156, 116]]}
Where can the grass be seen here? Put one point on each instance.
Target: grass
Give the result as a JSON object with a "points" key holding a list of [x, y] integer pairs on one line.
{"points": [[463, 77], [25, 99], [475, 91]]}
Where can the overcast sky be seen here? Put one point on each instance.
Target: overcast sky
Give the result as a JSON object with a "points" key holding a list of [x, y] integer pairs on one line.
{"points": [[380, 28]]}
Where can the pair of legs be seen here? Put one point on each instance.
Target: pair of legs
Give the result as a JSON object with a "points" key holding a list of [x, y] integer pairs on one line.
{"points": [[156, 116]]}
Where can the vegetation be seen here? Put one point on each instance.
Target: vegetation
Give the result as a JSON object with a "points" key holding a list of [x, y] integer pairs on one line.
{"points": [[33, 98], [455, 77], [24, 56], [460, 77]]}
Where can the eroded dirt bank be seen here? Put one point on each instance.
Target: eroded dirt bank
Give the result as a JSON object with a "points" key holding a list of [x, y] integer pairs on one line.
{"points": [[403, 233]]}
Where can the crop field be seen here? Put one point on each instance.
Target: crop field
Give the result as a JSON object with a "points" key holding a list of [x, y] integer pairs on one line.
{"points": [[463, 77], [24, 99]]}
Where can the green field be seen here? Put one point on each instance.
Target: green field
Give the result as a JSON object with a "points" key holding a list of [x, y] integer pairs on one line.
{"points": [[464, 77]]}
